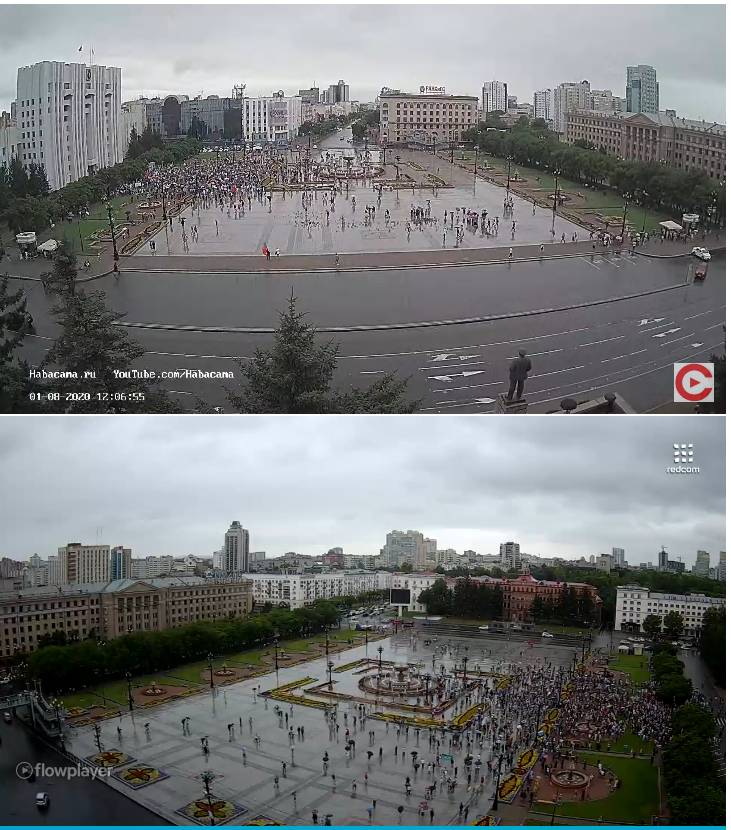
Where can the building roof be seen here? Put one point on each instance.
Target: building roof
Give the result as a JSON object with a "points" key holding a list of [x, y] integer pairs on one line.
{"points": [[76, 589], [437, 96]]}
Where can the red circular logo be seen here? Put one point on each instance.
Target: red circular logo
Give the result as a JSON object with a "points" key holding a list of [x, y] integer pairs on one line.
{"points": [[689, 378]]}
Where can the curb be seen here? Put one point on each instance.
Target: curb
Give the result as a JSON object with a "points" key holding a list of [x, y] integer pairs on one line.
{"points": [[401, 326], [718, 250]]}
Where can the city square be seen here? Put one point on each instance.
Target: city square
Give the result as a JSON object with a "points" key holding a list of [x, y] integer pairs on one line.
{"points": [[411, 728]]}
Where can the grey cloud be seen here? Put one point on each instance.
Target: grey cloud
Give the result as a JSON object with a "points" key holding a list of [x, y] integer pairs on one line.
{"points": [[161, 48], [558, 485]]}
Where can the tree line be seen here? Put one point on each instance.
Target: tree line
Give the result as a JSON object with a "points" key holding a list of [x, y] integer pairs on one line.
{"points": [[468, 598], [693, 781], [659, 186], [27, 205], [712, 644], [63, 668]]}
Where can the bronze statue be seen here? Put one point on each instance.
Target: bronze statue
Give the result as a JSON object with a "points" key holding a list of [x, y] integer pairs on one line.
{"points": [[519, 369]]}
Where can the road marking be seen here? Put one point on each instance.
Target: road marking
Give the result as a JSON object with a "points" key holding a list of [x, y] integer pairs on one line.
{"points": [[536, 354], [696, 345], [665, 333], [693, 316], [454, 365], [644, 321], [589, 262], [677, 339], [374, 372], [596, 342], [619, 357], [714, 326], [448, 378]]}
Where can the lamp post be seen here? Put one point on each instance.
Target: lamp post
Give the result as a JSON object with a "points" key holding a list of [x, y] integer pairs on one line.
{"points": [[327, 646], [645, 195], [114, 238], [330, 667], [477, 147], [398, 160], [164, 205], [555, 805], [210, 667], [497, 782], [556, 174], [509, 159], [276, 657], [128, 677], [380, 656], [626, 197], [98, 737], [366, 644], [464, 671]]}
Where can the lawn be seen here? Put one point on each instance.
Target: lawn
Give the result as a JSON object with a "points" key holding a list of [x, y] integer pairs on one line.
{"points": [[635, 802], [630, 742], [635, 665], [605, 202], [78, 232]]}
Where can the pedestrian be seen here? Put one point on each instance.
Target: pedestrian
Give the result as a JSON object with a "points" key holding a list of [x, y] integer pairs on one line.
{"points": [[510, 253]]}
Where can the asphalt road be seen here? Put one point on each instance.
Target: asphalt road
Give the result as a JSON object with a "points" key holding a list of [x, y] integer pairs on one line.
{"points": [[412, 321], [74, 801]]}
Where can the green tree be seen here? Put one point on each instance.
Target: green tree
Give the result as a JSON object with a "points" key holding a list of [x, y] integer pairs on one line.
{"points": [[674, 624], [296, 376], [98, 357], [712, 644], [15, 325], [62, 279], [652, 625]]}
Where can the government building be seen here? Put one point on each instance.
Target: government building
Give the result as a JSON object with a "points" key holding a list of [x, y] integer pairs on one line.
{"points": [[635, 604], [109, 609], [653, 138]]}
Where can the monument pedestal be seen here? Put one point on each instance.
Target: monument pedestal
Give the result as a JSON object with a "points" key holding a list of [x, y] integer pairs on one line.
{"points": [[506, 407]]}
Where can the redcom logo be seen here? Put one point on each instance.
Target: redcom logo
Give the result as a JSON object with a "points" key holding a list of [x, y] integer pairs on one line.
{"points": [[693, 382]]}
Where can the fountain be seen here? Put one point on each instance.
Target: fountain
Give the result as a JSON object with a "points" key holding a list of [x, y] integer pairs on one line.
{"points": [[153, 690], [224, 672], [569, 779], [397, 681]]}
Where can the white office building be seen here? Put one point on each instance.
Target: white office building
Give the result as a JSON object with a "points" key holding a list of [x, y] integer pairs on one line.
{"points": [[604, 100], [133, 116], [618, 557], [9, 138], [271, 119], [415, 584], [635, 604], [543, 104], [68, 115], [236, 550], [149, 567], [84, 563], [495, 97], [643, 90], [510, 555], [299, 590], [569, 97]]}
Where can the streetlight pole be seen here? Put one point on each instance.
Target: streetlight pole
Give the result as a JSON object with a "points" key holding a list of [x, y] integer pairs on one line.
{"points": [[327, 646], [114, 238], [210, 667], [497, 782], [507, 186], [645, 194], [330, 667], [624, 215], [276, 658], [128, 676], [476, 149], [380, 655]]}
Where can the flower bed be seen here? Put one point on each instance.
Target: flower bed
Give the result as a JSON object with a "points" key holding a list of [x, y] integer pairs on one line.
{"points": [[467, 716], [503, 683], [293, 684], [552, 715], [430, 723], [509, 788], [526, 761], [351, 665]]}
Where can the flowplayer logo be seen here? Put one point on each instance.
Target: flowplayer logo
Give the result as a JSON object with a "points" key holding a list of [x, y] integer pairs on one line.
{"points": [[693, 382], [683, 456]]}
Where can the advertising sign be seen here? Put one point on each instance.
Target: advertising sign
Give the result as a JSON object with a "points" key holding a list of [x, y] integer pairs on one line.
{"points": [[428, 89]]}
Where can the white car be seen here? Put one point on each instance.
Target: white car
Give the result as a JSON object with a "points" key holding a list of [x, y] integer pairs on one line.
{"points": [[484, 628], [546, 634], [701, 253], [42, 800]]}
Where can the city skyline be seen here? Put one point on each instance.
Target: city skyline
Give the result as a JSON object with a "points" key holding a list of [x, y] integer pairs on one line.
{"points": [[159, 486], [694, 87]]}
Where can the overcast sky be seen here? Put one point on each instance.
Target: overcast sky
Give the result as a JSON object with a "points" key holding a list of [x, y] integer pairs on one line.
{"points": [[206, 49], [172, 485]]}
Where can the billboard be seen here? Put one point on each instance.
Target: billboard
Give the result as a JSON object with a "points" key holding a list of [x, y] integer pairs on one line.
{"points": [[429, 89], [400, 596], [277, 114]]}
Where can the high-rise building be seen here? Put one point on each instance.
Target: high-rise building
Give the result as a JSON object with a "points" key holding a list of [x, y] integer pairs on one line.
{"points": [[310, 96], [662, 560], [543, 104], [211, 117], [495, 96], [410, 546], [702, 563], [510, 554], [643, 91], [604, 100], [120, 563], [54, 570], [337, 93], [133, 116], [569, 97], [9, 138], [618, 557], [68, 115], [84, 563], [236, 549], [721, 566]]}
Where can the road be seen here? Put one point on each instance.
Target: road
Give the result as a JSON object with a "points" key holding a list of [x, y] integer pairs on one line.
{"points": [[450, 330], [76, 801]]}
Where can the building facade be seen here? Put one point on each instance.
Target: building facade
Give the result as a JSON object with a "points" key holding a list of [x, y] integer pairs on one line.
{"points": [[702, 563], [410, 546], [276, 118], [120, 563], [151, 566], [299, 590], [635, 604], [68, 115], [132, 117], [510, 555], [495, 97], [543, 104], [83, 563], [220, 117], [567, 98], [110, 609], [604, 100], [660, 138], [425, 119], [643, 90], [9, 139]]}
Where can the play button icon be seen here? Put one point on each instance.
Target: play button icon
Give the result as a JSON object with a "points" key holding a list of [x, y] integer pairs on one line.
{"points": [[693, 382]]}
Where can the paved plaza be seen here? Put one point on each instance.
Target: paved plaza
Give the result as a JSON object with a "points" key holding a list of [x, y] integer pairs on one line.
{"points": [[162, 765]]}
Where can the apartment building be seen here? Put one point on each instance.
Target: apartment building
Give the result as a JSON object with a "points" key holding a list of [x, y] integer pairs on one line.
{"points": [[299, 590]]}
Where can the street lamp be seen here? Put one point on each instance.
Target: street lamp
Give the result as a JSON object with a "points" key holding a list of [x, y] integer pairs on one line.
{"points": [[626, 197], [276, 657], [497, 782], [380, 656], [398, 160], [645, 196], [128, 677], [327, 646], [366, 644], [330, 667], [509, 159], [210, 666], [114, 238], [556, 174], [477, 147]]}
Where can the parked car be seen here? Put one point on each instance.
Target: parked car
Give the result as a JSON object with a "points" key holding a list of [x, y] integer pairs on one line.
{"points": [[546, 634], [701, 253], [42, 800]]}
